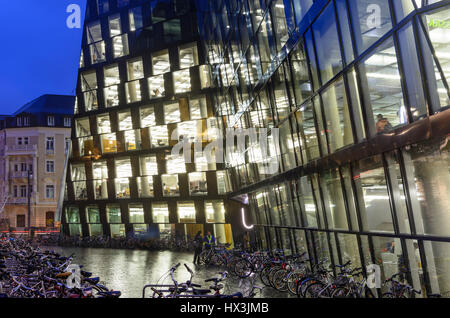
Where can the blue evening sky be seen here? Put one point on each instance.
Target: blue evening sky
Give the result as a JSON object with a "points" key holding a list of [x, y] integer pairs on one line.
{"points": [[39, 54]]}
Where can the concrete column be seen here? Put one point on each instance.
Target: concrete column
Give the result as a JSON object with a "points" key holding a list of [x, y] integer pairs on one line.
{"points": [[219, 228]]}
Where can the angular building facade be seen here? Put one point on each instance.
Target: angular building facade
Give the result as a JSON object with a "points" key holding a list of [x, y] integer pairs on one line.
{"points": [[356, 97], [144, 87]]}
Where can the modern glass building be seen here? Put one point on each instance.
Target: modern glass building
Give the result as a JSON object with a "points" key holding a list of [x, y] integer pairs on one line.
{"points": [[144, 86], [356, 96]]}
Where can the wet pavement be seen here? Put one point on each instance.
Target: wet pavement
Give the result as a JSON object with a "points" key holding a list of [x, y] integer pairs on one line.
{"points": [[130, 270]]}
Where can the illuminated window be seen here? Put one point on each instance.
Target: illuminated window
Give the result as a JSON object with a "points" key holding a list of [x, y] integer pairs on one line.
{"points": [[172, 113], [89, 89], [103, 124], [125, 120], [149, 165], [147, 114], [198, 108], [100, 174], [161, 62], [188, 55], [175, 164], [198, 184], [135, 69], [159, 136], [114, 25], [120, 45], [113, 213], [160, 213], [122, 188], [109, 143], [82, 127], [156, 86], [182, 81], [136, 213], [132, 140], [186, 212], [145, 187], [133, 91], [112, 79], [170, 185], [223, 182], [215, 212]]}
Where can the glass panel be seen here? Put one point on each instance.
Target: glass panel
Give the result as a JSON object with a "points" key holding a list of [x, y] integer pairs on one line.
{"points": [[160, 213], [113, 214], [385, 90], [186, 212], [145, 187], [182, 81], [373, 194], [337, 115], [156, 86], [198, 184], [159, 136], [92, 214], [171, 188], [327, 44], [161, 62], [188, 55], [147, 116], [334, 200], [172, 113], [136, 213], [72, 215], [215, 212]]}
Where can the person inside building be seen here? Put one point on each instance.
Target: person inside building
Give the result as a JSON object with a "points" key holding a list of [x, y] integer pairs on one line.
{"points": [[209, 240], [198, 244], [383, 124]]}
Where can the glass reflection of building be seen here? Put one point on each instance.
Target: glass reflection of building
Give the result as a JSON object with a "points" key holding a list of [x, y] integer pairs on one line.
{"points": [[143, 76], [359, 91]]}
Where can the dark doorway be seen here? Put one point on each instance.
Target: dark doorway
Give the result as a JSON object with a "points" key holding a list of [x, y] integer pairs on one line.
{"points": [[50, 219], [20, 220]]}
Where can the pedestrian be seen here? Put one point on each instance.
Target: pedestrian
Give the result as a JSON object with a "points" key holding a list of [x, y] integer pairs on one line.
{"points": [[209, 240], [198, 241]]}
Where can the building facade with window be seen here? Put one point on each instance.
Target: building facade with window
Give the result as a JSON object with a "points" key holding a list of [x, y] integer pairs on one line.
{"points": [[143, 88], [33, 144], [355, 95]]}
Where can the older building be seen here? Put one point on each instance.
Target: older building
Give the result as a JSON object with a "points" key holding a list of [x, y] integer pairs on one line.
{"points": [[33, 145], [143, 87], [356, 96]]}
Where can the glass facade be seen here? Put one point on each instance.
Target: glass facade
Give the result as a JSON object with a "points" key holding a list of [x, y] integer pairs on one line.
{"points": [[358, 92], [144, 85]]}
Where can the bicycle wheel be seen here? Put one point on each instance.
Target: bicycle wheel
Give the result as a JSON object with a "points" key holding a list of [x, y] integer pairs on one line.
{"points": [[264, 275], [203, 258], [271, 274], [280, 280], [243, 268], [341, 292], [317, 290], [217, 260], [292, 281]]}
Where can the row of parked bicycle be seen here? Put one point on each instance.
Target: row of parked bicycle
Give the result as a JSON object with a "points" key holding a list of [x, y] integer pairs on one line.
{"points": [[306, 278], [29, 272], [169, 243]]}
